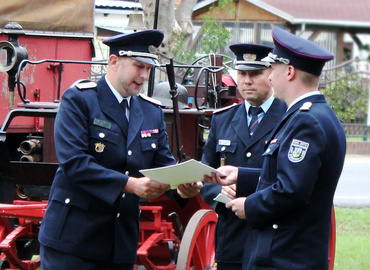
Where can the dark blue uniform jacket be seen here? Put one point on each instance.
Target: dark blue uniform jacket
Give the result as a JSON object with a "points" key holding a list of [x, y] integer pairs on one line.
{"points": [[231, 125], [291, 210], [88, 215]]}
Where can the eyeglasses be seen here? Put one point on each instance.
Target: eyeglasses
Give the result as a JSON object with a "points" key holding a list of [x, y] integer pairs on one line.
{"points": [[279, 59]]}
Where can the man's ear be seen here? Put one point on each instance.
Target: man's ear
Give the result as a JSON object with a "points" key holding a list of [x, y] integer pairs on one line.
{"points": [[113, 61], [291, 72]]}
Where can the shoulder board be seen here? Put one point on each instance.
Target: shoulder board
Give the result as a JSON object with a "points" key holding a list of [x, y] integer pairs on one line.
{"points": [[85, 85], [151, 100], [306, 106], [223, 109]]}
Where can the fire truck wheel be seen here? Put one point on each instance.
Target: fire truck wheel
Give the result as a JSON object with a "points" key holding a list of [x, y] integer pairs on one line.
{"points": [[197, 248]]}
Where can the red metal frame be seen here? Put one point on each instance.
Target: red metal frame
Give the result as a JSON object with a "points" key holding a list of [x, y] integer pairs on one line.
{"points": [[28, 215]]}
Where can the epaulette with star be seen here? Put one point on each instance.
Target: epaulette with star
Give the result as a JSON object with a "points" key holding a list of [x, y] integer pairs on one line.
{"points": [[306, 106], [223, 109], [151, 100]]}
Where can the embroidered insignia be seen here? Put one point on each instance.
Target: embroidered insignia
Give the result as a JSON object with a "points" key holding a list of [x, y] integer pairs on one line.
{"points": [[249, 57], [99, 147], [297, 151], [224, 142]]}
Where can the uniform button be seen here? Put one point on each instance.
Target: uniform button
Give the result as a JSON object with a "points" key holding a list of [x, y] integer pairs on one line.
{"points": [[127, 172], [154, 145], [268, 150], [129, 152], [101, 135], [249, 154], [275, 226], [118, 215], [67, 201], [223, 148], [123, 195]]}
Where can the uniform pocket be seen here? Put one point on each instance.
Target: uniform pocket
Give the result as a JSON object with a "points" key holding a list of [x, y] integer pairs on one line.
{"points": [[274, 247], [97, 133], [67, 215], [149, 144], [227, 148]]}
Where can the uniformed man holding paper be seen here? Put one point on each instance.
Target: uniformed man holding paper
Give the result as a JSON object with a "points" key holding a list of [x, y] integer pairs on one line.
{"points": [[290, 212], [105, 132]]}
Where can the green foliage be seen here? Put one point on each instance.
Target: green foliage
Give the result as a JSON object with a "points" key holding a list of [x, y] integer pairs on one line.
{"points": [[348, 98], [214, 37], [353, 238], [179, 50]]}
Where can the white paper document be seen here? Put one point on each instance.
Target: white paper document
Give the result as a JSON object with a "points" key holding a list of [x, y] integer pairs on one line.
{"points": [[222, 198], [189, 171]]}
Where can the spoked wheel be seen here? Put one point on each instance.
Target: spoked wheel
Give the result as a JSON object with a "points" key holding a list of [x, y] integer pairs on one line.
{"points": [[197, 248]]}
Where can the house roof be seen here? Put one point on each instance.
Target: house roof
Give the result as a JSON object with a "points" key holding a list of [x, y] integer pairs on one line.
{"points": [[343, 13], [346, 13]]}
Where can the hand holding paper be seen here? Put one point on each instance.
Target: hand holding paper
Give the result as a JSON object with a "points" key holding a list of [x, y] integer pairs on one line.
{"points": [[225, 176], [189, 171], [222, 198]]}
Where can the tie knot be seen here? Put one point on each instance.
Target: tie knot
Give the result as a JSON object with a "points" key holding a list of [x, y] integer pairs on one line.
{"points": [[255, 110], [124, 104]]}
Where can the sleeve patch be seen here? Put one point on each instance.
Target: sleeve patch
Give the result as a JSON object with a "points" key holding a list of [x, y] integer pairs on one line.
{"points": [[297, 150]]}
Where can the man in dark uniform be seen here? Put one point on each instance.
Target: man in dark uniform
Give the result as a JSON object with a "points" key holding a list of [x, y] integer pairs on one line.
{"points": [[291, 209], [229, 144], [104, 134]]}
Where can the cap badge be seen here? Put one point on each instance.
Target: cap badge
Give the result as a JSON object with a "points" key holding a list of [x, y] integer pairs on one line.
{"points": [[99, 147], [249, 57]]}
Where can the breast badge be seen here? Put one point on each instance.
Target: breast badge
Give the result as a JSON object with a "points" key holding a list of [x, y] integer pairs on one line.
{"points": [[297, 151], [148, 133], [99, 147]]}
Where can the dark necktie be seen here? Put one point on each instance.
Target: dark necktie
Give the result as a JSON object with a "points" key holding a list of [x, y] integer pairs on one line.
{"points": [[254, 112], [124, 106]]}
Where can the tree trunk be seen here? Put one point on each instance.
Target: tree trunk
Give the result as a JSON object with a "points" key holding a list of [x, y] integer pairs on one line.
{"points": [[166, 19], [183, 16], [169, 20]]}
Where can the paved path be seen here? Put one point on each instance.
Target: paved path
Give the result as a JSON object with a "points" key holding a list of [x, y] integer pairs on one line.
{"points": [[354, 184]]}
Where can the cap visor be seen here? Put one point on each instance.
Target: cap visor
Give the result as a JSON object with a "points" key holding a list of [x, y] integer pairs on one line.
{"points": [[250, 67], [148, 60]]}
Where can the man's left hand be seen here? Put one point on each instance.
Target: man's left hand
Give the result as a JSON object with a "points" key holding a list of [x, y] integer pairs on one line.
{"points": [[237, 206], [189, 190]]}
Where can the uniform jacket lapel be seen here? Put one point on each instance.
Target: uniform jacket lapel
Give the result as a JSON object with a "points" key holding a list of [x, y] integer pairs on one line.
{"points": [[240, 124], [268, 123], [136, 119]]}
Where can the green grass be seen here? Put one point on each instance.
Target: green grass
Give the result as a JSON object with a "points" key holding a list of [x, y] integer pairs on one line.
{"points": [[353, 239], [358, 139]]}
